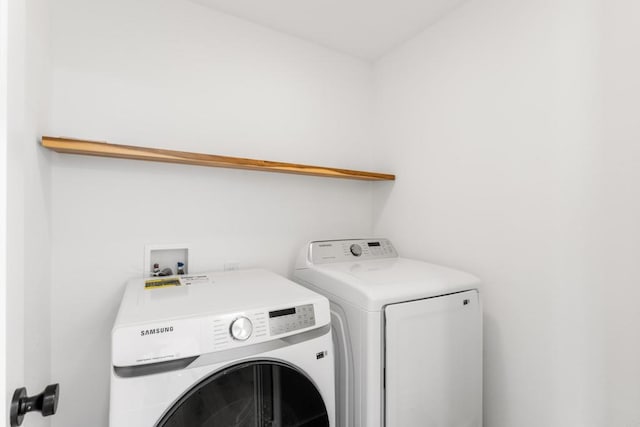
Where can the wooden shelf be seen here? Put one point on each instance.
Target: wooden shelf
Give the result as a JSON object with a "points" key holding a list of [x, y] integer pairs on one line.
{"points": [[104, 149]]}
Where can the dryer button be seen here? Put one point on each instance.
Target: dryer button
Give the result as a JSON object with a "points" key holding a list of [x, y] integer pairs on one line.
{"points": [[241, 328]]}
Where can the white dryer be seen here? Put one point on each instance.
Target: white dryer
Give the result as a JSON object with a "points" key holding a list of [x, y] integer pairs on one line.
{"points": [[242, 348], [407, 335]]}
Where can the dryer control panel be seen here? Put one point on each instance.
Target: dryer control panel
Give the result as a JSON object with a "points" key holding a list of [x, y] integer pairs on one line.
{"points": [[327, 251]]}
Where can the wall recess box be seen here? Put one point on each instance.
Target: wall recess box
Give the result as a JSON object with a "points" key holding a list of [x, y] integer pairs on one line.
{"points": [[166, 256]]}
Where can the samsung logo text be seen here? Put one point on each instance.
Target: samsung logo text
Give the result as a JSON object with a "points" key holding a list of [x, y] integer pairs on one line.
{"points": [[155, 331]]}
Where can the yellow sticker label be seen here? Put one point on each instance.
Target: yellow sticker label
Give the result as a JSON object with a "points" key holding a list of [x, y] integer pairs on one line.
{"points": [[161, 283]]}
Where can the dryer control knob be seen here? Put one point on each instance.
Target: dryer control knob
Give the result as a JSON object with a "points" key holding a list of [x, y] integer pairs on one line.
{"points": [[241, 328], [356, 250]]}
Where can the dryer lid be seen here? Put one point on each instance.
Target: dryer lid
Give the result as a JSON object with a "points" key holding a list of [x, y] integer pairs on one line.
{"points": [[372, 284]]}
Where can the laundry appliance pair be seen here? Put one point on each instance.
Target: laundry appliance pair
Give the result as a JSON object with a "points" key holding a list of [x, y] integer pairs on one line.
{"points": [[250, 348]]}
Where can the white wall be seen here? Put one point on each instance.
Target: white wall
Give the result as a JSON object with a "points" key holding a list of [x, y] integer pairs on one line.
{"points": [[513, 129], [37, 206], [170, 73], [616, 244], [28, 196]]}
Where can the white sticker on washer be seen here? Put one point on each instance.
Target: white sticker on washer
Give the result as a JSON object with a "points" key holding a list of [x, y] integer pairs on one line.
{"points": [[193, 280]]}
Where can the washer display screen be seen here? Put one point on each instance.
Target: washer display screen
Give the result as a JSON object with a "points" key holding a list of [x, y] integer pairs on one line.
{"points": [[284, 312]]}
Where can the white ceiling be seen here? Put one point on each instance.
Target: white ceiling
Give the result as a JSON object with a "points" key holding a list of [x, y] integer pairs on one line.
{"points": [[364, 28]]}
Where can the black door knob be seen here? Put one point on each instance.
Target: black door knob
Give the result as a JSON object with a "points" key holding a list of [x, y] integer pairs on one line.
{"points": [[45, 402]]}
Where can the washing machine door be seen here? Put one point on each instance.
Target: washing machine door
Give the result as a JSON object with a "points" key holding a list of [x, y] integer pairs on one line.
{"points": [[251, 394]]}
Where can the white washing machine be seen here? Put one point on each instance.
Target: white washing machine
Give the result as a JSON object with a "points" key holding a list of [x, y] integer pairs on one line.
{"points": [[241, 348], [407, 335]]}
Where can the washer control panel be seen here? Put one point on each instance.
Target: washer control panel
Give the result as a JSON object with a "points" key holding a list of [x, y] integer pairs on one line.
{"points": [[327, 251], [257, 326], [291, 319]]}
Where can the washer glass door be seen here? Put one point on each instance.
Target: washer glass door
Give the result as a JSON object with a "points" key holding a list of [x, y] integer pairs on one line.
{"points": [[253, 394]]}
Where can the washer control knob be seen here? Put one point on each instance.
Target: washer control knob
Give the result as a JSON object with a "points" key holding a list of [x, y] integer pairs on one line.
{"points": [[241, 328], [356, 250]]}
